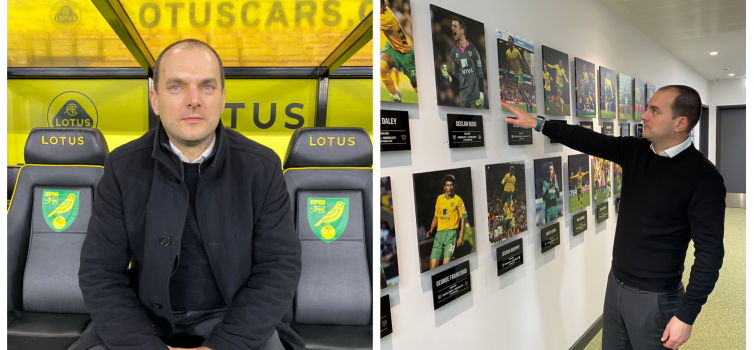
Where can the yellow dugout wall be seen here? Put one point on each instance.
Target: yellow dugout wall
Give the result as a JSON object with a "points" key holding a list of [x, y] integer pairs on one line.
{"points": [[266, 110]]}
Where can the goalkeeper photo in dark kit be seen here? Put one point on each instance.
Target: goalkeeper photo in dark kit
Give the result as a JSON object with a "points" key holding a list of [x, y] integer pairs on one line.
{"points": [[461, 82]]}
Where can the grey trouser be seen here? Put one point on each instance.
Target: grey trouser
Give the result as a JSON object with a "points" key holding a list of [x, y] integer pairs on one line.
{"points": [[199, 324], [636, 319]]}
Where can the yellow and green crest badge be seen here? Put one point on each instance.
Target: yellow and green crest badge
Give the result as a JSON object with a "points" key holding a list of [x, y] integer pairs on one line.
{"points": [[60, 208], [328, 217]]}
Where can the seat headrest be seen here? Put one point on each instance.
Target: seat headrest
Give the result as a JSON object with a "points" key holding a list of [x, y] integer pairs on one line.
{"points": [[66, 146], [329, 147]]}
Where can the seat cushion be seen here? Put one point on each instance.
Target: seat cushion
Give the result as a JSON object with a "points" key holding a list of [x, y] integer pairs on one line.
{"points": [[334, 337], [39, 324], [39, 343]]}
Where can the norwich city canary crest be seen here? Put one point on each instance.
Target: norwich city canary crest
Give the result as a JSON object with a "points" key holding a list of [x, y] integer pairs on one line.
{"points": [[328, 217], [60, 208]]}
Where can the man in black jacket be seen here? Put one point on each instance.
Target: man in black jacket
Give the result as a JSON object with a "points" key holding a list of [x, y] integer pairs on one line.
{"points": [[671, 194], [202, 216]]}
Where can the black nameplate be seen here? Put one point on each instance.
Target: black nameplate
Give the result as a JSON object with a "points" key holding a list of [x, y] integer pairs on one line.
{"points": [[451, 284], [607, 128], [625, 129], [602, 212], [588, 125], [550, 236], [465, 131], [639, 130], [394, 132], [579, 223], [510, 256], [386, 320], [519, 136], [557, 121]]}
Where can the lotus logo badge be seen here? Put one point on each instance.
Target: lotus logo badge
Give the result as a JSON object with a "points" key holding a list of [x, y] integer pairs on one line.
{"points": [[66, 15], [70, 109], [403, 137]]}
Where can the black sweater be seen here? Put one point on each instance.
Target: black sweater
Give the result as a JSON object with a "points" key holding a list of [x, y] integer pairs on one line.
{"points": [[665, 202]]}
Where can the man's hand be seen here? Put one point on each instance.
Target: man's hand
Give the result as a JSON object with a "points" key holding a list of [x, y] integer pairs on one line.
{"points": [[460, 242], [445, 74], [676, 333], [427, 234], [480, 100], [523, 119]]}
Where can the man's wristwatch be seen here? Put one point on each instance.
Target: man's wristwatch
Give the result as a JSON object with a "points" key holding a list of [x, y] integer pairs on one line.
{"points": [[540, 122]]}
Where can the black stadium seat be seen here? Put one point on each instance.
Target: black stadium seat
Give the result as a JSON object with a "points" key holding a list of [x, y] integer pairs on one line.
{"points": [[329, 178], [12, 176], [47, 221]]}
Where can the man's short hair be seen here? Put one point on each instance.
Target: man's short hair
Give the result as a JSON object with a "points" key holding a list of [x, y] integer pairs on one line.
{"points": [[688, 104], [188, 44], [550, 164], [512, 168], [447, 178], [460, 23]]}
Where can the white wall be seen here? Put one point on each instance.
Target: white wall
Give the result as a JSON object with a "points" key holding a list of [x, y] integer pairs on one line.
{"points": [[722, 93], [550, 301]]}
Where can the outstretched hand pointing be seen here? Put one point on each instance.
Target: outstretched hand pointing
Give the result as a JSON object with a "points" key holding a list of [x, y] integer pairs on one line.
{"points": [[523, 119]]}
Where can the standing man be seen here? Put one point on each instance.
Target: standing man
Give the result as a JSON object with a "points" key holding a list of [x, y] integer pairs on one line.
{"points": [[579, 177], [672, 194], [449, 211], [515, 61], [550, 194], [397, 53], [467, 72], [191, 242], [509, 186]]}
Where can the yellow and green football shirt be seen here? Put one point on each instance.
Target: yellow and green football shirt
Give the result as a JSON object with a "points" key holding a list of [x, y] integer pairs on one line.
{"points": [[561, 77], [510, 182], [579, 178], [449, 212], [609, 85], [508, 209], [546, 77], [513, 57], [393, 32]]}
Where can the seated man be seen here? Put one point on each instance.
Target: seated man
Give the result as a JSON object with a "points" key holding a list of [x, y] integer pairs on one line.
{"points": [[202, 216]]}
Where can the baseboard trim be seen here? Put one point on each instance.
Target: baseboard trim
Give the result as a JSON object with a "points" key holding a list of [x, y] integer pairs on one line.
{"points": [[588, 335]]}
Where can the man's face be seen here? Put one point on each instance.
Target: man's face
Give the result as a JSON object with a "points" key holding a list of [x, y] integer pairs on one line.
{"points": [[510, 42], [658, 119], [512, 171], [458, 32], [552, 171], [449, 188], [560, 63], [190, 98]]}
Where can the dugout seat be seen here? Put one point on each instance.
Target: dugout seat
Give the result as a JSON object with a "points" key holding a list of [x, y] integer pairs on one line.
{"points": [[329, 178], [12, 176], [47, 221]]}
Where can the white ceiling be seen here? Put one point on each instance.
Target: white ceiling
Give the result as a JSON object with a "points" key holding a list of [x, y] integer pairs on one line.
{"points": [[691, 29]]}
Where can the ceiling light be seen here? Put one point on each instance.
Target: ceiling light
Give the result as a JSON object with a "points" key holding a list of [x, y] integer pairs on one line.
{"points": [[713, 53], [731, 74]]}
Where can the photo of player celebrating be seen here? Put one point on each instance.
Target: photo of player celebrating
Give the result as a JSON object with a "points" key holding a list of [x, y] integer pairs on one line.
{"points": [[607, 93], [617, 178], [548, 189], [506, 200], [625, 97], [444, 216], [397, 63], [601, 179], [388, 245], [514, 68], [555, 74], [651, 89], [640, 102], [460, 60], [578, 185], [584, 83]]}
